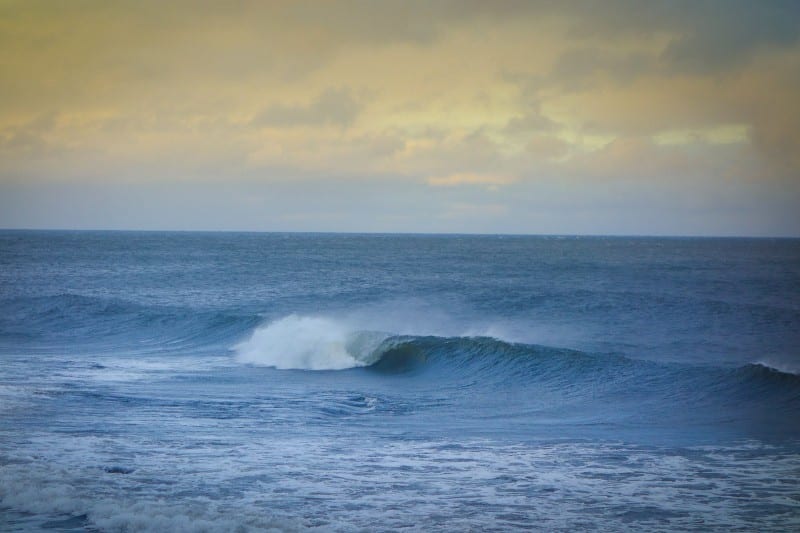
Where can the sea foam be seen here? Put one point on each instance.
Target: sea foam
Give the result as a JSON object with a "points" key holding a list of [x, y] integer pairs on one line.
{"points": [[310, 343]]}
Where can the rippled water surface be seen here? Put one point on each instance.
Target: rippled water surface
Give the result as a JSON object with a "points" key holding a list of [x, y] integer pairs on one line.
{"points": [[213, 382]]}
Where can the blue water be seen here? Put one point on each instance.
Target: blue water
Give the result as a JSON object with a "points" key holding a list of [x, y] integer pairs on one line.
{"points": [[235, 382]]}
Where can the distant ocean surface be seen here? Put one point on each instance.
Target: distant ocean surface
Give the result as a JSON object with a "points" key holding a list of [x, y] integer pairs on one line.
{"points": [[242, 382]]}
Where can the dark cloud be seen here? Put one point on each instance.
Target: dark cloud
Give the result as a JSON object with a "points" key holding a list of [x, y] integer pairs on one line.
{"points": [[580, 69], [336, 107], [726, 34], [531, 121], [708, 34]]}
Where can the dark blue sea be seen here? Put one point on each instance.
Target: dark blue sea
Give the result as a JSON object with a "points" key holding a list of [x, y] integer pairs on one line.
{"points": [[331, 382]]}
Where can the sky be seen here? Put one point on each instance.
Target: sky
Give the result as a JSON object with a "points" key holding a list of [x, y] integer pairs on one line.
{"points": [[533, 117]]}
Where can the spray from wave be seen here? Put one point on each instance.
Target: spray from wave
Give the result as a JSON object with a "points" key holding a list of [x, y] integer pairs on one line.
{"points": [[310, 343]]}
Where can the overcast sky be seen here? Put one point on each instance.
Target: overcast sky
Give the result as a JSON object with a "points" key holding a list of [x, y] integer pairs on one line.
{"points": [[591, 117]]}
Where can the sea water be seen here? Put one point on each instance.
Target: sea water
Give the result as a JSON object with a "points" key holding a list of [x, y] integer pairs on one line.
{"points": [[244, 381]]}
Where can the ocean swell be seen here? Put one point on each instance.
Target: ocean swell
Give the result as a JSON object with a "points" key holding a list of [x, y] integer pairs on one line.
{"points": [[542, 376], [47, 323]]}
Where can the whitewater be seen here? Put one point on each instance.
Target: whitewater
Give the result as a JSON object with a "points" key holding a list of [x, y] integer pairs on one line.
{"points": [[156, 381]]}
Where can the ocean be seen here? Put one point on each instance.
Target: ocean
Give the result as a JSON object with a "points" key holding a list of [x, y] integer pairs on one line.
{"points": [[181, 381]]}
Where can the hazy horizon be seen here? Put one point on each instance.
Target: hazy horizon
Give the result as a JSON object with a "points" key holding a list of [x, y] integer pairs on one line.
{"points": [[402, 233]]}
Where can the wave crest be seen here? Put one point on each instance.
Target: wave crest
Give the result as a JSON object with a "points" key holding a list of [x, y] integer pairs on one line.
{"points": [[310, 343], [558, 376]]}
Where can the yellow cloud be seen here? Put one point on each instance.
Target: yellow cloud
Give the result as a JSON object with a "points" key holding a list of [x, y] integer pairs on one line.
{"points": [[454, 180], [465, 94], [726, 134]]}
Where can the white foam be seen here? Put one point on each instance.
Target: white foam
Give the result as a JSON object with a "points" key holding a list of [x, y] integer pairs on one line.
{"points": [[352, 338], [291, 483], [309, 343]]}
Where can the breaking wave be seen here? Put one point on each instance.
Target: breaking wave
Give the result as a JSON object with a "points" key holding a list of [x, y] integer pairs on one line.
{"points": [[319, 343], [311, 343]]}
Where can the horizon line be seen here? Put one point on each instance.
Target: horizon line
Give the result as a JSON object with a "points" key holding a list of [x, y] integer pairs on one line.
{"points": [[404, 233]]}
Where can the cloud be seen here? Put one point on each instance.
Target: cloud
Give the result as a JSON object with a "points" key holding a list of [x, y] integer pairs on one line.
{"points": [[469, 211], [532, 120], [705, 36], [579, 69], [443, 100], [454, 180], [726, 34], [682, 167], [335, 107], [547, 146]]}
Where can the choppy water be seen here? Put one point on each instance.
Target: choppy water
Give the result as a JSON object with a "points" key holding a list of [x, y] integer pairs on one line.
{"points": [[199, 382]]}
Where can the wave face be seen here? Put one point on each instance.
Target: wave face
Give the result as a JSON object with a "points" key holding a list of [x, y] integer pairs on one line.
{"points": [[486, 364], [248, 382]]}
